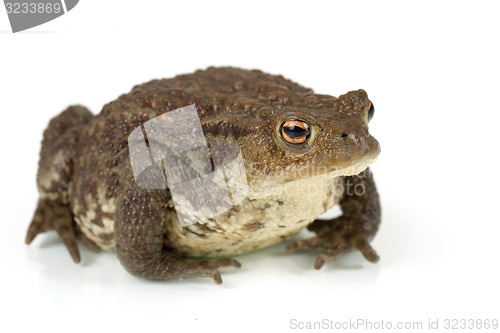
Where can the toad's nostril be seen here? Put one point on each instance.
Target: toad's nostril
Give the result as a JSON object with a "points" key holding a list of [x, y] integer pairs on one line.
{"points": [[343, 135]]}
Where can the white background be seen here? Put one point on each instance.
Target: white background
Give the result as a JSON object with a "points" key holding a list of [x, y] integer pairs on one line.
{"points": [[431, 69]]}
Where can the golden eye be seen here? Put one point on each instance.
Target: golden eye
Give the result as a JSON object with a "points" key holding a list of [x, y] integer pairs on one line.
{"points": [[295, 131]]}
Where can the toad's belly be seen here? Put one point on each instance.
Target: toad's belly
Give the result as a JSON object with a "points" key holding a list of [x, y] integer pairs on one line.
{"points": [[257, 222]]}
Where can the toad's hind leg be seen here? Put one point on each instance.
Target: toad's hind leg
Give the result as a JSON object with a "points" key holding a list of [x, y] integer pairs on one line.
{"points": [[53, 180]]}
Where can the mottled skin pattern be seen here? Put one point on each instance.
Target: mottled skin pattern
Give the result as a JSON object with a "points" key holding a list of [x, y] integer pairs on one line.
{"points": [[88, 192]]}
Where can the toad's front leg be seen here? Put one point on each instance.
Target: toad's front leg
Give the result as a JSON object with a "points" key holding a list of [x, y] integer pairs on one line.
{"points": [[139, 229], [354, 229]]}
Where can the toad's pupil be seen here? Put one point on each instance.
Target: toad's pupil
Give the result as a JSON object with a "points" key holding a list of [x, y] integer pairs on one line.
{"points": [[371, 111], [295, 131]]}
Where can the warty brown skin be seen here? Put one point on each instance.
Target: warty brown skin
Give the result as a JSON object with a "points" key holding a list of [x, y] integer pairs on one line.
{"points": [[88, 192]]}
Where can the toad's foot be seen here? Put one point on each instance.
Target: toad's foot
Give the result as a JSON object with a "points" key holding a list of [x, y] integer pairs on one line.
{"points": [[210, 267], [173, 266], [51, 216], [336, 242]]}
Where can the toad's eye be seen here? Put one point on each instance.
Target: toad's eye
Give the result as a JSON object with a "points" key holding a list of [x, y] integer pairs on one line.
{"points": [[371, 111], [295, 131]]}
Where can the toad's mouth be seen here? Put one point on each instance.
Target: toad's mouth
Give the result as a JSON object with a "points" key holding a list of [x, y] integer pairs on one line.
{"points": [[351, 170], [312, 174], [333, 171]]}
